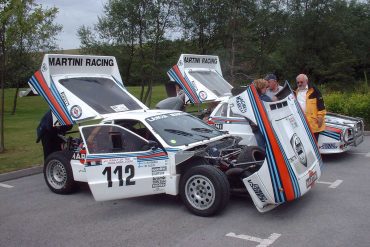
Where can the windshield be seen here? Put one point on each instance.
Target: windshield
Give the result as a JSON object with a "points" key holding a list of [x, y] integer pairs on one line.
{"points": [[213, 81], [180, 128], [102, 94]]}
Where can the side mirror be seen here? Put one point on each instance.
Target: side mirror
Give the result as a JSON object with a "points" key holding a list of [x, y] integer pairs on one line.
{"points": [[152, 144]]}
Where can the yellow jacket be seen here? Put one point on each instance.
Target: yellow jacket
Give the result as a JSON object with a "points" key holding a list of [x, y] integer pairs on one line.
{"points": [[315, 109]]}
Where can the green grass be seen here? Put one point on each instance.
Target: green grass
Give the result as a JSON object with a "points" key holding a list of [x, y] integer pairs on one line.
{"points": [[21, 151]]}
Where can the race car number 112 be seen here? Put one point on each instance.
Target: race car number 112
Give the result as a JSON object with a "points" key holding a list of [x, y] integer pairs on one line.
{"points": [[130, 169]]}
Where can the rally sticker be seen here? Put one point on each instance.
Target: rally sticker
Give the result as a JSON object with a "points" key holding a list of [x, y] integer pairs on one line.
{"points": [[121, 161], [203, 95], [119, 108], [76, 111]]}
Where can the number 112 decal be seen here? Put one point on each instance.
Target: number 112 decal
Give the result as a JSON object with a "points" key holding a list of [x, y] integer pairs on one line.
{"points": [[129, 169]]}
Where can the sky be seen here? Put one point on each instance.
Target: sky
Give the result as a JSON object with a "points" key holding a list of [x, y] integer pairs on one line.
{"points": [[72, 15]]}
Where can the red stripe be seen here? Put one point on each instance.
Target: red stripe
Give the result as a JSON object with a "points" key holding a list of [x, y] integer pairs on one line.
{"points": [[279, 159], [332, 129], [178, 73], [51, 97], [152, 155]]}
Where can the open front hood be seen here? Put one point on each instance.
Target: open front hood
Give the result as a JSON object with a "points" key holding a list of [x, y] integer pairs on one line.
{"points": [[79, 88], [293, 161], [201, 78]]}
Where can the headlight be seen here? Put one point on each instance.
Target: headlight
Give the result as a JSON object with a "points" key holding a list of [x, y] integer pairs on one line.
{"points": [[348, 134]]}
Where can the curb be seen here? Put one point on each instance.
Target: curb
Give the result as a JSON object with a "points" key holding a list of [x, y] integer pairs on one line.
{"points": [[366, 133], [21, 173]]}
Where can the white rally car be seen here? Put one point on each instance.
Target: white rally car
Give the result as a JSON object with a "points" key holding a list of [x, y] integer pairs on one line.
{"points": [[135, 151], [201, 78]]}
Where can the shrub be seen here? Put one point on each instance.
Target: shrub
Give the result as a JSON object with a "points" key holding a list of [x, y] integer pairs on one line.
{"points": [[351, 104]]}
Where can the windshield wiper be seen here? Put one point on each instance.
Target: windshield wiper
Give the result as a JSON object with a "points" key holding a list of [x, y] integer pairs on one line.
{"points": [[204, 130], [178, 132], [182, 133]]}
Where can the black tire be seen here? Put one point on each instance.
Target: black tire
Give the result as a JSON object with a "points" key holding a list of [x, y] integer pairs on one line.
{"points": [[58, 173], [250, 154], [204, 190]]}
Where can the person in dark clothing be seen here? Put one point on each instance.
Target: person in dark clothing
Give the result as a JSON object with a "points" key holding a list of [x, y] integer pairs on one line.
{"points": [[48, 134]]}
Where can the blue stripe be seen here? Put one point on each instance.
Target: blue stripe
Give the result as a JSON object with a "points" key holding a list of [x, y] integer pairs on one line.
{"points": [[305, 124], [36, 85], [177, 79], [60, 101], [330, 134], [275, 178], [192, 87]]}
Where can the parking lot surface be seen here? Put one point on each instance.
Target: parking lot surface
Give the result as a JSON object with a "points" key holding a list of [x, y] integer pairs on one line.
{"points": [[335, 213]]}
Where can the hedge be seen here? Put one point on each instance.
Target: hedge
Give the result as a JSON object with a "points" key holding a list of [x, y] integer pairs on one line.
{"points": [[350, 104]]}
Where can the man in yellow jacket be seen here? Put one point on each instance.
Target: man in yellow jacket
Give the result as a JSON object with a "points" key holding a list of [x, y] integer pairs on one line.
{"points": [[312, 104]]}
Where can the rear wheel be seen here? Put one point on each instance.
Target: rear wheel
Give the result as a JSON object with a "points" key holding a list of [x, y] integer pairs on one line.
{"points": [[204, 190], [58, 173]]}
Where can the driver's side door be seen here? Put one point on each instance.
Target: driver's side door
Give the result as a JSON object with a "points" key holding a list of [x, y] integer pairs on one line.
{"points": [[122, 164]]}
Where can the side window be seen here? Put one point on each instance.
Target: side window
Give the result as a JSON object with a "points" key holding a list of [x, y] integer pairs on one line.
{"points": [[137, 127], [232, 114], [222, 111], [111, 139]]}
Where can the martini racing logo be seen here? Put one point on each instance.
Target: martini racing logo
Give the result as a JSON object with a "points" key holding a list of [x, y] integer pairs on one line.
{"points": [[76, 111], [299, 149], [240, 103]]}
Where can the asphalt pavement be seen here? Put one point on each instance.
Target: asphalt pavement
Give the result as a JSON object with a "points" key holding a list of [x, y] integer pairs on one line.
{"points": [[336, 212]]}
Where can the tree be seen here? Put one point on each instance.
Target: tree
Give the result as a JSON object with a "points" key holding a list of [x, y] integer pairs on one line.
{"points": [[26, 28]]}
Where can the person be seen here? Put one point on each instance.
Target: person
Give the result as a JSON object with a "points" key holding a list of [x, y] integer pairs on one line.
{"points": [[312, 104], [261, 86], [273, 86], [48, 134]]}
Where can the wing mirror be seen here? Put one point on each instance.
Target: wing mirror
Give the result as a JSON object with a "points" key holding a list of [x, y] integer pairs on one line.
{"points": [[152, 144]]}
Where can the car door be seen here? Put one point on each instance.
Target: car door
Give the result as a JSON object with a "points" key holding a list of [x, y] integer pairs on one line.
{"points": [[121, 164]]}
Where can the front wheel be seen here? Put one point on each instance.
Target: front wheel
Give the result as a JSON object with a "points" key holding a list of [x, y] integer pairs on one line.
{"points": [[58, 173], [204, 190]]}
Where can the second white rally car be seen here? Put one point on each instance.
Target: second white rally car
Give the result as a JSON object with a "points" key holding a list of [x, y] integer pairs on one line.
{"points": [[200, 77], [135, 151]]}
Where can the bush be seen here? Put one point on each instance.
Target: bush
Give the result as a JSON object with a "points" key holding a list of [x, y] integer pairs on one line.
{"points": [[351, 104]]}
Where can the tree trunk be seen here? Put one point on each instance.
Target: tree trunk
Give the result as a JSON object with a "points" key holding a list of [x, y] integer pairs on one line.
{"points": [[15, 99], [2, 82]]}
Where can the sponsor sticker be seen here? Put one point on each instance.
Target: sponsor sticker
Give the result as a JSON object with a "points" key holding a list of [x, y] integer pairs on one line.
{"points": [[293, 122], [311, 178], [76, 111], [159, 170], [159, 182], [119, 161], [64, 98], [240, 103], [328, 146], [256, 188], [119, 108]]}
